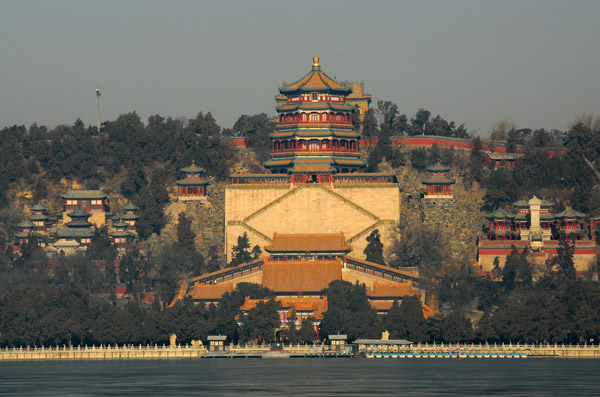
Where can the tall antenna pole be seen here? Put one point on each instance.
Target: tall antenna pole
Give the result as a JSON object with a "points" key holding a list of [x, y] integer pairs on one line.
{"points": [[98, 112]]}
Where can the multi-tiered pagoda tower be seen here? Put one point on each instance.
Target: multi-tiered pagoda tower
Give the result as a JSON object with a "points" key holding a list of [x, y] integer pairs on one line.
{"points": [[315, 136]]}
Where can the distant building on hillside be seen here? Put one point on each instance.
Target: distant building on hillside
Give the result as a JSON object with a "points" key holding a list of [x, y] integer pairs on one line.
{"points": [[193, 185], [72, 233], [535, 227], [438, 183], [502, 159], [95, 202]]}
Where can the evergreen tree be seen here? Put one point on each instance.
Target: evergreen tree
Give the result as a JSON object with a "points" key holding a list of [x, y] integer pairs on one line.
{"points": [[517, 271], [255, 130], [374, 248], [189, 261], [256, 252], [131, 273], [101, 248], [406, 321], [239, 252], [291, 332], [214, 260], [455, 327], [307, 333], [261, 322], [349, 311], [562, 265], [185, 235]]}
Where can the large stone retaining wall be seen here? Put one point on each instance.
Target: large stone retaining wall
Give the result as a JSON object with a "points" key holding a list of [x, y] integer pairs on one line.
{"points": [[355, 210]]}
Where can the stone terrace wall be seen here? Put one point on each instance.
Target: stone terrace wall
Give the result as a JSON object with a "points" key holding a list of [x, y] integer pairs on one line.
{"points": [[355, 210], [459, 219], [207, 218]]}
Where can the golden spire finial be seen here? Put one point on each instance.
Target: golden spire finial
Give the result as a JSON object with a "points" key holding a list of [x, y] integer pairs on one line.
{"points": [[316, 62]]}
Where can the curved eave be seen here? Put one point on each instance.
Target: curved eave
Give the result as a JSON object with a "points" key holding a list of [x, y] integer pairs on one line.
{"points": [[315, 133], [492, 216], [315, 81], [121, 234], [438, 168], [304, 90], [38, 217], [277, 163], [192, 181], [288, 107], [193, 169], [438, 181], [131, 217], [346, 161]]}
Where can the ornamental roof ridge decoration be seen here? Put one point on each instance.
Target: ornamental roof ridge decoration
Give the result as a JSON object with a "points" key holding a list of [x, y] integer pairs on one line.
{"points": [[193, 168], [438, 167], [316, 81]]}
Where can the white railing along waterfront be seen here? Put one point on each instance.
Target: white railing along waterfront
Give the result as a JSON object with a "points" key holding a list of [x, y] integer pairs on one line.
{"points": [[187, 351]]}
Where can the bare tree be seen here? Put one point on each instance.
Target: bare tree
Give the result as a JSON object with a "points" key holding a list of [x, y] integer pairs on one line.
{"points": [[501, 130], [589, 120]]}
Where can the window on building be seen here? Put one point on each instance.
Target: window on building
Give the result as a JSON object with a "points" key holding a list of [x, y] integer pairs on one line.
{"points": [[314, 118]]}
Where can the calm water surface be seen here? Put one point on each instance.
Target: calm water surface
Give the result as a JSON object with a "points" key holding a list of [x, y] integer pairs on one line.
{"points": [[317, 377]]}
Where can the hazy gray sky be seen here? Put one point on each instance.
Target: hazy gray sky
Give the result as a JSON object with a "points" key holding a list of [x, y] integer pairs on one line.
{"points": [[536, 63]]}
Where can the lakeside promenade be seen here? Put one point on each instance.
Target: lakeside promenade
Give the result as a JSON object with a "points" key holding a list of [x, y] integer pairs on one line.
{"points": [[131, 352]]}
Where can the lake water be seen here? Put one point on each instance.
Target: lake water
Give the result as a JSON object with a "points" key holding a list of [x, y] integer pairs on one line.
{"points": [[318, 377]]}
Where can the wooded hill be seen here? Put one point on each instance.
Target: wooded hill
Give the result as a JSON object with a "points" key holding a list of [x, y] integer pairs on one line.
{"points": [[139, 162]]}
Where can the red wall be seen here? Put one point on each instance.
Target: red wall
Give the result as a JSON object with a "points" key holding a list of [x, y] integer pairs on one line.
{"points": [[428, 141]]}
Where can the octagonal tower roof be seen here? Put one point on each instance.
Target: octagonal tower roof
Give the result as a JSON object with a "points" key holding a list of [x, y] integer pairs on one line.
{"points": [[316, 81]]}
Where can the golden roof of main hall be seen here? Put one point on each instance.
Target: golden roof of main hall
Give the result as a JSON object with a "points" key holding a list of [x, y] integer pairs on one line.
{"points": [[300, 276], [308, 243]]}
